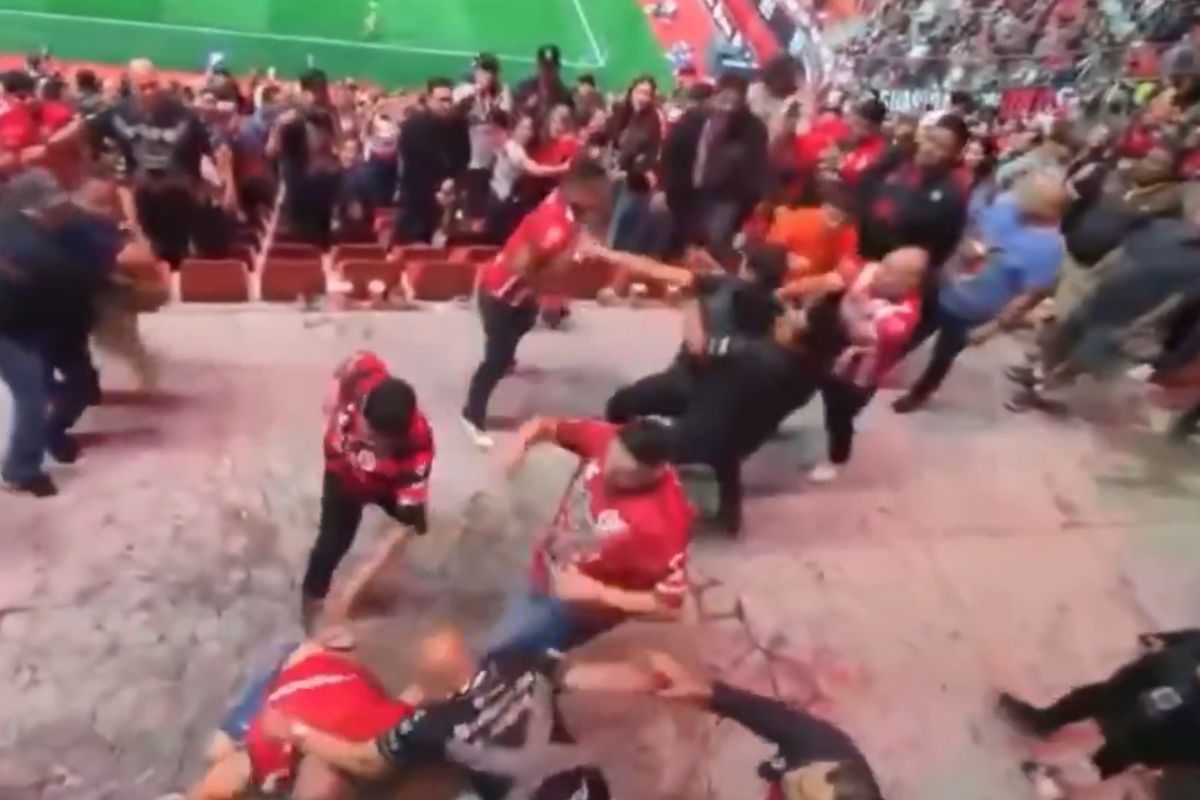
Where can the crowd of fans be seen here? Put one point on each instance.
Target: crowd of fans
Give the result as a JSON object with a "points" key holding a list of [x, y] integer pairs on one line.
{"points": [[815, 238], [992, 44]]}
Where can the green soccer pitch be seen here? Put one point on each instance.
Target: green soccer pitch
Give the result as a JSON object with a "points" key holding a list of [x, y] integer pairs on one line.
{"points": [[412, 40]]}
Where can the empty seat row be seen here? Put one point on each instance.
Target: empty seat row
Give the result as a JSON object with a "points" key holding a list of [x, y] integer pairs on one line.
{"points": [[288, 279]]}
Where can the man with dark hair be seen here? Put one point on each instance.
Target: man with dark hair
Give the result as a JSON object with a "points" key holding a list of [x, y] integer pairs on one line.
{"points": [[617, 548], [815, 759], [545, 91], [435, 150], [715, 166], [865, 144], [54, 261], [724, 403], [542, 245], [378, 450], [914, 198]]}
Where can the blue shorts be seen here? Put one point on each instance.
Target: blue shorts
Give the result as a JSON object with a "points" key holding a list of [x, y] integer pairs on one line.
{"points": [[236, 723]]}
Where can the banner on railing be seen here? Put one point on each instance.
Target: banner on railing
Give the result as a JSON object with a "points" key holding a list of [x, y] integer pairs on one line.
{"points": [[915, 101]]}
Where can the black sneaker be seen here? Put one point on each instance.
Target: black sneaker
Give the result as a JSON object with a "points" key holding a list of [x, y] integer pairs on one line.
{"points": [[1021, 715], [41, 486], [908, 404], [64, 449]]}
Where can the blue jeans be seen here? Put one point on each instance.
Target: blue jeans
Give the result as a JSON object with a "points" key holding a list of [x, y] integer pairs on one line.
{"points": [[22, 370], [237, 721], [72, 384], [533, 622]]}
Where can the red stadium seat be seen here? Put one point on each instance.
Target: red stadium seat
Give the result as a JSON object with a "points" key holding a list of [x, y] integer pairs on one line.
{"points": [[441, 279], [475, 254], [360, 273], [286, 279], [358, 252], [213, 281], [293, 250], [585, 279], [414, 252]]}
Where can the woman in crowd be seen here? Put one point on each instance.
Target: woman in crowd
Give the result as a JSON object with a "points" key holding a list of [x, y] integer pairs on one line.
{"points": [[509, 198], [636, 133], [979, 158]]}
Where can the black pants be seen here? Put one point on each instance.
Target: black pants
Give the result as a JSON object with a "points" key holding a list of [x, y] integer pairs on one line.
{"points": [[72, 384], [952, 333], [696, 430], [503, 328], [844, 401], [168, 216], [341, 514], [1131, 736], [664, 394]]}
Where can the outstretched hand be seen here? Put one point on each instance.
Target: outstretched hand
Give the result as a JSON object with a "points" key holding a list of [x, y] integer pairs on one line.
{"points": [[674, 681]]}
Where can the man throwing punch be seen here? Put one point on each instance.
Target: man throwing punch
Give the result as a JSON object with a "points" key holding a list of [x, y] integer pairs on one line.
{"points": [[542, 245], [617, 547], [378, 449]]}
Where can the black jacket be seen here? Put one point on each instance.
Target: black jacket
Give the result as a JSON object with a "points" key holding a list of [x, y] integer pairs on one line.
{"points": [[900, 205], [737, 163]]}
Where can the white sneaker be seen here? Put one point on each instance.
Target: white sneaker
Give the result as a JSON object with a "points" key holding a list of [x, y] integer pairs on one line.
{"points": [[823, 473], [479, 437]]}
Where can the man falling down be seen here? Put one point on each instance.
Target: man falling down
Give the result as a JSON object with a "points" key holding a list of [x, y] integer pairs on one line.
{"points": [[322, 683]]}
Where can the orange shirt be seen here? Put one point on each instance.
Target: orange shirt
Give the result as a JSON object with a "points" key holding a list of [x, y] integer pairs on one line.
{"points": [[806, 232]]}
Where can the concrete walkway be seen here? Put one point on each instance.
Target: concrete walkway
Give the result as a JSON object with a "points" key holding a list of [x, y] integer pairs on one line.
{"points": [[965, 549]]}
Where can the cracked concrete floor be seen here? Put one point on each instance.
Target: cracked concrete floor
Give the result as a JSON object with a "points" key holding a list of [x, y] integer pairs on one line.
{"points": [[965, 549]]}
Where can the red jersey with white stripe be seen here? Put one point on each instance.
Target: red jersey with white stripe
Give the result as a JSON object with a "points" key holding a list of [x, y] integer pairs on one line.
{"points": [[371, 470], [878, 328], [634, 540], [547, 233], [326, 691]]}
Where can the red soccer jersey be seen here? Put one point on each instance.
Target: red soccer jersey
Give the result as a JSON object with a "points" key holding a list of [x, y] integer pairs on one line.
{"points": [[879, 329], [326, 691], [825, 133], [557, 151], [18, 126], [549, 231], [861, 158], [398, 471], [632, 540]]}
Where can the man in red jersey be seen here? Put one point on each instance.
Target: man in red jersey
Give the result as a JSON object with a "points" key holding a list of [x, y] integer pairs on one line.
{"points": [[617, 547], [321, 683], [378, 449], [543, 244]]}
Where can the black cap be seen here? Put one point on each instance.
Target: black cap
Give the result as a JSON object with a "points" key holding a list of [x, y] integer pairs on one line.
{"points": [[488, 63], [548, 55], [18, 83], [314, 80]]}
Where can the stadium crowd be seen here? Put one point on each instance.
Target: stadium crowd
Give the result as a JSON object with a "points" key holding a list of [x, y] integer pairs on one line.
{"points": [[812, 238]]}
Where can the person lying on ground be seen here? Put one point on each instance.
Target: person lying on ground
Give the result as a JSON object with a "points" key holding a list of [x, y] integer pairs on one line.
{"points": [[814, 759], [1148, 714], [504, 728], [321, 682]]}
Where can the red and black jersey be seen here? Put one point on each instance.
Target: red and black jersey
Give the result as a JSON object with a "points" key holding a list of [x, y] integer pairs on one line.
{"points": [[393, 472]]}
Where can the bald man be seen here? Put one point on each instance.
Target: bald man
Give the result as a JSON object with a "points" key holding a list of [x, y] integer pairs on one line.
{"points": [[1018, 243], [162, 143]]}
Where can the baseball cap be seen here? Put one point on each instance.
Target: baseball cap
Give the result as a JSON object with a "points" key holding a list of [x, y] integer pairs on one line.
{"points": [[314, 80], [488, 63], [548, 55], [33, 190]]}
